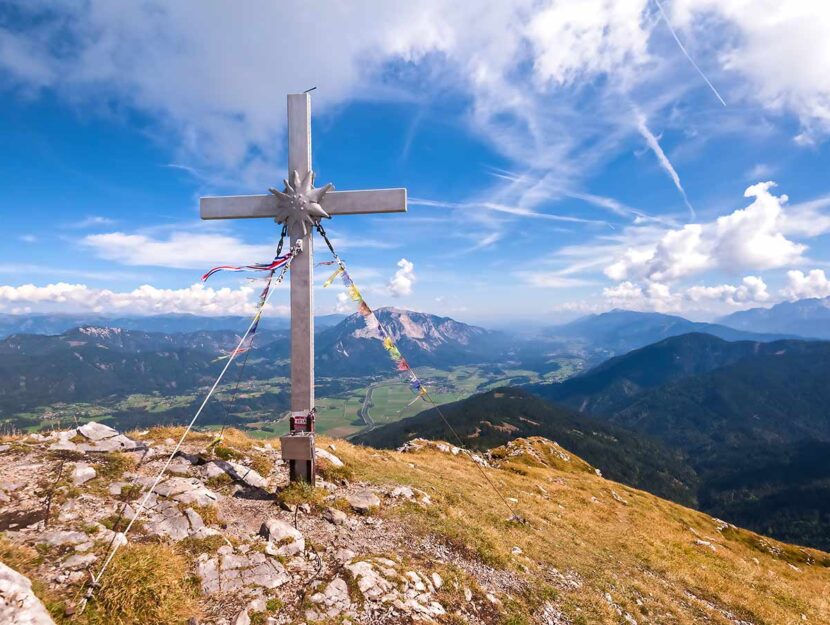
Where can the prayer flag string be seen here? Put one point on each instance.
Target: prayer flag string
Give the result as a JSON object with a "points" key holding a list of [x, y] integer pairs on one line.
{"points": [[401, 364], [278, 262]]}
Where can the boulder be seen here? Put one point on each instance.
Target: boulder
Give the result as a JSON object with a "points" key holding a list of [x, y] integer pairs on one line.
{"points": [[335, 516], [363, 501], [95, 431], [329, 457], [228, 572], [60, 538], [331, 602], [82, 473], [78, 561], [18, 604], [187, 491], [283, 539], [241, 473]]}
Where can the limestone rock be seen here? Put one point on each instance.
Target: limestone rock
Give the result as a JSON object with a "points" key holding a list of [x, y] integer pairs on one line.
{"points": [[363, 501], [283, 539], [186, 490], [335, 516], [228, 571], [95, 431], [329, 457], [78, 561], [18, 604], [59, 538], [242, 618], [82, 473], [332, 601], [241, 473]]}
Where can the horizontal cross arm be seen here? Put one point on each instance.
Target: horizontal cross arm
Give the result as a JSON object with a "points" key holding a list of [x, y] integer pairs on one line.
{"points": [[334, 203], [364, 202], [238, 206]]}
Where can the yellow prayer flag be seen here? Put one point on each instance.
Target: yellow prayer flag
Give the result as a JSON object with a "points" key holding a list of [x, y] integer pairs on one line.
{"points": [[333, 277], [355, 294]]}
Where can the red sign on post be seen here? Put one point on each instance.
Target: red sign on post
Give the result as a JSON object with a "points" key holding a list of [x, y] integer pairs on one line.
{"points": [[302, 422]]}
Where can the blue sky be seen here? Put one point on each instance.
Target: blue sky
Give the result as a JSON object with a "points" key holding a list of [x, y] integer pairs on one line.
{"points": [[560, 157]]}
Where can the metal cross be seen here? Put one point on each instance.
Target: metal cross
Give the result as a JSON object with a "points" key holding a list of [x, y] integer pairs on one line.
{"points": [[300, 205]]}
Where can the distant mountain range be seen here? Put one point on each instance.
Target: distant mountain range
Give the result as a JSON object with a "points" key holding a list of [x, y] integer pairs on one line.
{"points": [[57, 324], [748, 421], [353, 348], [808, 318], [92, 363], [620, 331]]}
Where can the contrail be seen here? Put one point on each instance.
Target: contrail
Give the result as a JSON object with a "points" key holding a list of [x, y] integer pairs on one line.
{"points": [[665, 163], [688, 56]]}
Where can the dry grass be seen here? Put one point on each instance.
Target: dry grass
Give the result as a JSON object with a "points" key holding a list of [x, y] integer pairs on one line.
{"points": [[641, 551], [146, 583], [209, 514]]}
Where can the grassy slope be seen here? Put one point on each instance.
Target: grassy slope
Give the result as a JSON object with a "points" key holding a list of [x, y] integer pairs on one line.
{"points": [[490, 419], [642, 550], [597, 549]]}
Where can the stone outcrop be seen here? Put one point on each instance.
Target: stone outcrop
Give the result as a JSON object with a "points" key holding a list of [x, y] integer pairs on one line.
{"points": [[229, 571], [363, 500], [18, 604], [93, 437], [283, 539]]}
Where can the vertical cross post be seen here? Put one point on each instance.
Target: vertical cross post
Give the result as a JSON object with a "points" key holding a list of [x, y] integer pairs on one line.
{"points": [[301, 204], [302, 291]]}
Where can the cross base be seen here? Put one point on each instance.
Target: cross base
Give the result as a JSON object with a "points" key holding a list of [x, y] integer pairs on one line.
{"points": [[298, 452]]}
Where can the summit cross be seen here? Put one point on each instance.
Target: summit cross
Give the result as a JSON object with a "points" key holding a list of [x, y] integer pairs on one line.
{"points": [[300, 205]]}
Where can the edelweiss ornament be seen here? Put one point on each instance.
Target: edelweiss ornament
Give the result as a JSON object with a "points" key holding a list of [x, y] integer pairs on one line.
{"points": [[299, 205]]}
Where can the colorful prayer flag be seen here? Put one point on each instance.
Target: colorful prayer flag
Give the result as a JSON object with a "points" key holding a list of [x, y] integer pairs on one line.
{"points": [[403, 365], [354, 293], [364, 309], [332, 277]]}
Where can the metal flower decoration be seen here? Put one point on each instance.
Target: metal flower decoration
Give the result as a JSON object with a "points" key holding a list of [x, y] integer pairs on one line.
{"points": [[299, 205]]}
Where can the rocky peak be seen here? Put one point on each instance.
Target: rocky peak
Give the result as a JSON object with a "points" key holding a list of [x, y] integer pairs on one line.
{"points": [[387, 537]]}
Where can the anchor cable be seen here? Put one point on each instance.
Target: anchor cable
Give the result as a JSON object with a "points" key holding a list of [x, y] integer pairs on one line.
{"points": [[296, 248]]}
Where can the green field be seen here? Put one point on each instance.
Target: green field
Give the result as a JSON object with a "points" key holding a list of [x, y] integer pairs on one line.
{"points": [[261, 406]]}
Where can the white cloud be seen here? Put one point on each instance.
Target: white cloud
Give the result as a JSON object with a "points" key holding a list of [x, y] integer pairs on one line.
{"points": [[195, 299], [214, 77], [550, 280], [651, 296], [752, 238], [779, 49], [343, 304], [574, 40], [802, 286], [91, 221], [660, 297], [401, 282], [180, 250], [751, 290]]}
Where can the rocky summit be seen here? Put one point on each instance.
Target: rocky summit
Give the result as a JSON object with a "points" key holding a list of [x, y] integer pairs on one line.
{"points": [[431, 533]]}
